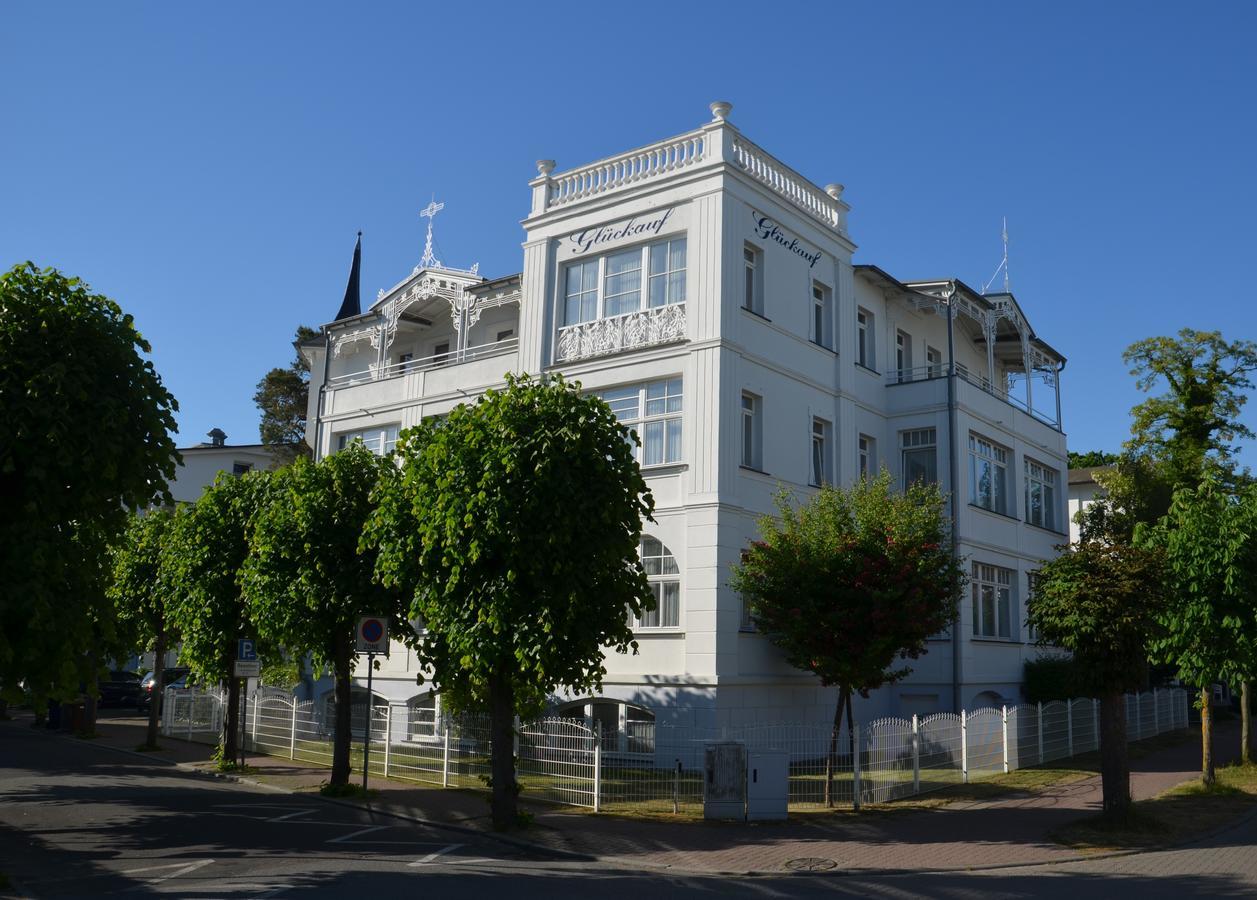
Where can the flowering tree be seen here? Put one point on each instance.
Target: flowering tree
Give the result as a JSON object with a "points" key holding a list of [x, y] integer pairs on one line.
{"points": [[851, 584]]}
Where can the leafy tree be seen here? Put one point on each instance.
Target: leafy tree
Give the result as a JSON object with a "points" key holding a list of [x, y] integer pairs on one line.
{"points": [[85, 438], [513, 527], [307, 583], [142, 600], [282, 397], [851, 584], [206, 550], [1104, 603], [1197, 418], [1209, 538], [1137, 489], [1091, 459]]}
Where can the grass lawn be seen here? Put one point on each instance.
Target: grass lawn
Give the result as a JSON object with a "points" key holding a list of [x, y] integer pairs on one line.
{"points": [[1179, 814]]}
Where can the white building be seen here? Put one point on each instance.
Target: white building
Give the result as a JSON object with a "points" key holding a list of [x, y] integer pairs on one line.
{"points": [[707, 292], [202, 463], [1083, 491]]}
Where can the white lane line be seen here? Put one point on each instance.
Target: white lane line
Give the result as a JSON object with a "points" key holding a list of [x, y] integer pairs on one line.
{"points": [[353, 834], [423, 861], [181, 868], [291, 815]]}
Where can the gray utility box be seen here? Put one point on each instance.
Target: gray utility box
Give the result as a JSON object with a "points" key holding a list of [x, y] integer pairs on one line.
{"points": [[724, 780], [767, 784]]}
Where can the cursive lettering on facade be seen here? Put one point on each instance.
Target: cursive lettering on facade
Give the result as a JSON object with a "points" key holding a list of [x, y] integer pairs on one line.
{"points": [[595, 237], [769, 230]]}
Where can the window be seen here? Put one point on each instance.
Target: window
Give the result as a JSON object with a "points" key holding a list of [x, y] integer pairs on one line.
{"points": [[1032, 584], [421, 717], [1040, 495], [653, 411], [441, 353], [747, 622], [620, 275], [920, 456], [903, 356], [239, 468], [665, 583], [505, 335], [864, 338], [867, 456], [404, 361], [992, 601], [934, 359], [379, 441], [751, 416], [821, 471], [822, 314], [752, 293], [988, 475]]}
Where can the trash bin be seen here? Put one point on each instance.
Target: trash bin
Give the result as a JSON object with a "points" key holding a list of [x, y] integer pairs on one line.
{"points": [[74, 716]]}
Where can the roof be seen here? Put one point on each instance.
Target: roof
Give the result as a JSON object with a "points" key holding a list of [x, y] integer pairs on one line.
{"points": [[1086, 475], [259, 448]]}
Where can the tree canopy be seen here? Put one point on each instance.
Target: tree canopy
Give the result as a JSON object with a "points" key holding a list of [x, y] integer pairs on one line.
{"points": [[513, 526], [282, 398], [86, 437], [1091, 459], [307, 583]]}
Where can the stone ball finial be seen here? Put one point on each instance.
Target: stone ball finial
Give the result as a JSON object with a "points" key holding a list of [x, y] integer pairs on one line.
{"points": [[834, 190], [545, 166], [720, 110]]}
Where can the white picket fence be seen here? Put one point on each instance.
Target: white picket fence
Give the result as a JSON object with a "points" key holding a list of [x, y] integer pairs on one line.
{"points": [[659, 767]]}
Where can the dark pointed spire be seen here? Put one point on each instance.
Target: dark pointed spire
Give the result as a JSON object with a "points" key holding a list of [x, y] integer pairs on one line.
{"points": [[352, 304]]}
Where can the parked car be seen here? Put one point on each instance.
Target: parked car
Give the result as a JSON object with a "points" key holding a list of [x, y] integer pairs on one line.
{"points": [[120, 689], [172, 677]]}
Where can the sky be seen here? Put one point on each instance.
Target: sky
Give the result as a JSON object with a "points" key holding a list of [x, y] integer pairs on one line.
{"points": [[208, 165]]}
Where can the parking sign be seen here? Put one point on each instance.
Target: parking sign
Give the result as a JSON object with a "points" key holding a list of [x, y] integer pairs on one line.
{"points": [[372, 634]]}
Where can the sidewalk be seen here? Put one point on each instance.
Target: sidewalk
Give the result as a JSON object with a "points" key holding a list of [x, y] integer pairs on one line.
{"points": [[962, 835]]}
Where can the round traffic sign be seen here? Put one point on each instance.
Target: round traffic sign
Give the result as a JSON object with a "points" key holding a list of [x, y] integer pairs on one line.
{"points": [[372, 630]]}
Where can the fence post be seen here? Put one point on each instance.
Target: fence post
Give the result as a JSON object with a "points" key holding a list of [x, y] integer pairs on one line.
{"points": [[445, 759], [254, 736], [916, 754], [388, 735], [598, 766], [515, 737], [855, 767], [292, 734], [964, 747], [1004, 734], [1040, 732], [1069, 725]]}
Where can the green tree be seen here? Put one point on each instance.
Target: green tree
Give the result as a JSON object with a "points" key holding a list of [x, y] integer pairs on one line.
{"points": [[513, 527], [1138, 488], [282, 397], [141, 599], [1091, 459], [307, 583], [1104, 603], [1209, 538], [851, 584], [206, 550], [86, 437], [1197, 418]]}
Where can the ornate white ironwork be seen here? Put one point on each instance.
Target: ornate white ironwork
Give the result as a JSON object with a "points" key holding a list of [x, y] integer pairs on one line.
{"points": [[370, 333], [644, 328], [429, 260]]}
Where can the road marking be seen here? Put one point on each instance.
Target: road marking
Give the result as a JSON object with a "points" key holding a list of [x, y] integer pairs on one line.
{"points": [[431, 856], [291, 815], [353, 834], [181, 868]]}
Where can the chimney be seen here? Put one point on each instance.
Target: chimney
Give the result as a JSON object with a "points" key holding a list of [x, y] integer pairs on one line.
{"points": [[218, 438]]}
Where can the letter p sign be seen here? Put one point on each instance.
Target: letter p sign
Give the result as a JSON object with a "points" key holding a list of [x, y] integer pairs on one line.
{"points": [[245, 650]]}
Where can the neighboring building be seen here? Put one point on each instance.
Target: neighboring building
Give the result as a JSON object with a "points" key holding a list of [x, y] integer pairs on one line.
{"points": [[707, 292], [203, 462], [1083, 491]]}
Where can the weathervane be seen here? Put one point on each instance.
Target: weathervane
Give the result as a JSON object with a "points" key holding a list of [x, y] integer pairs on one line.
{"points": [[429, 260]]}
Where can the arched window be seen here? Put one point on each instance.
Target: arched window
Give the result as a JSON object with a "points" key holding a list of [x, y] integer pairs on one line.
{"points": [[358, 712], [421, 716], [665, 582], [625, 728]]}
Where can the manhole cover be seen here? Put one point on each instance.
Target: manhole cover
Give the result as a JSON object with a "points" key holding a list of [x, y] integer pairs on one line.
{"points": [[810, 864]]}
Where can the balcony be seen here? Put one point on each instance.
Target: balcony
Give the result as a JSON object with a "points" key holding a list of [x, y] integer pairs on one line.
{"points": [[630, 331], [929, 386], [437, 361]]}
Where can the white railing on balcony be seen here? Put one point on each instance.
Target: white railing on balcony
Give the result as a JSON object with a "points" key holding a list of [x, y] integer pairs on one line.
{"points": [[924, 373], [630, 331], [436, 361], [787, 182], [629, 168]]}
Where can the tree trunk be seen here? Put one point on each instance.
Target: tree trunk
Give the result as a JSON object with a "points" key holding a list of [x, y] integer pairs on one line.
{"points": [[1246, 725], [89, 698], [231, 723], [833, 748], [1207, 774], [342, 735], [1114, 756], [502, 736], [154, 711]]}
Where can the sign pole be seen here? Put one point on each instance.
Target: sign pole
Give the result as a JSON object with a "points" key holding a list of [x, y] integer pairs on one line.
{"points": [[366, 740], [241, 734]]}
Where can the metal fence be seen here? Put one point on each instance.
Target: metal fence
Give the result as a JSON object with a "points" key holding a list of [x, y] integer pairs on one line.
{"points": [[658, 767]]}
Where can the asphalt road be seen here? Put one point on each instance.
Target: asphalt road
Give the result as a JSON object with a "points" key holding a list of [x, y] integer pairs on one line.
{"points": [[77, 820]]}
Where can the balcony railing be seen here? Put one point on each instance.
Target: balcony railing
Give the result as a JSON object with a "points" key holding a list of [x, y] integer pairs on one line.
{"points": [[626, 169], [630, 331], [925, 373], [436, 361]]}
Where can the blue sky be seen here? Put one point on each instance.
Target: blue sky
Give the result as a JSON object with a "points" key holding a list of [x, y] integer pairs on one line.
{"points": [[208, 165]]}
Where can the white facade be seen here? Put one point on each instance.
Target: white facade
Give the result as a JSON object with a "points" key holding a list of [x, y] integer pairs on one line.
{"points": [[635, 282]]}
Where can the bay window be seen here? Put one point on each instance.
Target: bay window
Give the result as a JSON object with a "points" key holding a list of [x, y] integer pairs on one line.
{"points": [[612, 285]]}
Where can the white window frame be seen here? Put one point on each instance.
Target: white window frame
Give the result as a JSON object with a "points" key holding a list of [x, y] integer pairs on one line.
{"points": [[1044, 479], [658, 407], [934, 359], [917, 441], [664, 576], [865, 329], [751, 443], [903, 355], [866, 456], [380, 440], [649, 272], [418, 728], [993, 593], [986, 454], [820, 463], [821, 322], [752, 279]]}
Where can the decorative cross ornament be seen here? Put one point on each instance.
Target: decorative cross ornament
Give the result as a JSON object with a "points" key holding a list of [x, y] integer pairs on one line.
{"points": [[429, 259]]}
